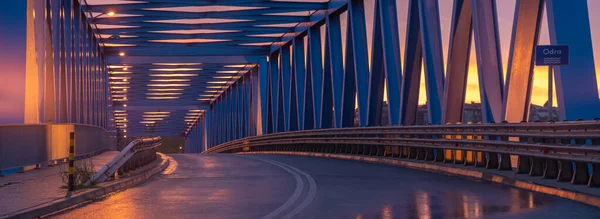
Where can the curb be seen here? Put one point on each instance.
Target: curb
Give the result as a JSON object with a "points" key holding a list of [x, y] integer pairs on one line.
{"points": [[589, 199], [105, 189]]}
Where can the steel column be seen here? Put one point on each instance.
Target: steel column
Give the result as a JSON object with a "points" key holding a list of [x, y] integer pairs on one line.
{"points": [[315, 67], [432, 57], [576, 85], [263, 74], [458, 62], [299, 80], [489, 59], [357, 49], [413, 56]]}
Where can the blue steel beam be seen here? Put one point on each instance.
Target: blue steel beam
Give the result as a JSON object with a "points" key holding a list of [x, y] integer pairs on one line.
{"points": [[349, 82], [247, 95], [286, 80], [328, 99], [263, 75], [432, 57], [315, 67], [376, 79], [576, 85], [275, 90], [412, 66], [391, 57], [358, 48], [299, 72], [334, 39]]}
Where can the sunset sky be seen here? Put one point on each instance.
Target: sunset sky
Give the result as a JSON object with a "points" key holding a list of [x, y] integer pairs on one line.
{"points": [[12, 32]]}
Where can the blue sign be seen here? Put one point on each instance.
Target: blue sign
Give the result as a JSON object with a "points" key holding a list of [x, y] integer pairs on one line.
{"points": [[552, 55]]}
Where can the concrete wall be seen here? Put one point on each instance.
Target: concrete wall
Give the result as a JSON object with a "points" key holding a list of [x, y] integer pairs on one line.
{"points": [[25, 145]]}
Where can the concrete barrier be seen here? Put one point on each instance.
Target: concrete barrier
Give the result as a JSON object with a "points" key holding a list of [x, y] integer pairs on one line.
{"points": [[24, 147]]}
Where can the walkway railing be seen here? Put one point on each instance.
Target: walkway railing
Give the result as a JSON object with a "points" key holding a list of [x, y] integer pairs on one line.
{"points": [[136, 154], [566, 151]]}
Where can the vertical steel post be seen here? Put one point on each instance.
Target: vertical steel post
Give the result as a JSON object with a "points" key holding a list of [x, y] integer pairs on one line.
{"points": [[550, 89], [71, 183]]}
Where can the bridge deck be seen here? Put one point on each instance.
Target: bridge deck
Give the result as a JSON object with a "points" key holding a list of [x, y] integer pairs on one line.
{"points": [[35, 187], [276, 186]]}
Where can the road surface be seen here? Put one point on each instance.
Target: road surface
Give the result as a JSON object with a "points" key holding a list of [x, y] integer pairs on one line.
{"points": [[279, 186]]}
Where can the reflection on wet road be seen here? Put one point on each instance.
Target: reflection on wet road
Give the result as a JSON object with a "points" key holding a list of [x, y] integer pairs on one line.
{"points": [[277, 186]]}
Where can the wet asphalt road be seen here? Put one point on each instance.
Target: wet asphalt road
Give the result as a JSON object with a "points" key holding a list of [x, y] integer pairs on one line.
{"points": [[278, 186]]}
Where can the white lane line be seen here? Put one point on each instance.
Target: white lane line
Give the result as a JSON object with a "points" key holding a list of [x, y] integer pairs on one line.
{"points": [[312, 192], [295, 195]]}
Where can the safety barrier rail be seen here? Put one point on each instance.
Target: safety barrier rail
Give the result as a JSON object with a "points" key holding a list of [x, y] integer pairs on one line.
{"points": [[136, 154], [565, 151]]}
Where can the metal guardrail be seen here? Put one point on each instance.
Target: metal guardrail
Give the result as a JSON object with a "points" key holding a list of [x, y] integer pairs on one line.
{"points": [[137, 153], [566, 151]]}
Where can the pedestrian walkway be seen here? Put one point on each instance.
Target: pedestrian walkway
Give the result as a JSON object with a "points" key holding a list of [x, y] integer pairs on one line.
{"points": [[39, 186]]}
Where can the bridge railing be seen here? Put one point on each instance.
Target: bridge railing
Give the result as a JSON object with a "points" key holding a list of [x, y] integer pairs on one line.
{"points": [[136, 154], [565, 151]]}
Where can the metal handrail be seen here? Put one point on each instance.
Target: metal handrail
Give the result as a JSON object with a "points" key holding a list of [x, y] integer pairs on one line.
{"points": [[129, 151], [444, 137]]}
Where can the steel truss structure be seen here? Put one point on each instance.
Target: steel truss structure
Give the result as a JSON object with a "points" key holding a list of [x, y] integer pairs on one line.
{"points": [[66, 73], [216, 71]]}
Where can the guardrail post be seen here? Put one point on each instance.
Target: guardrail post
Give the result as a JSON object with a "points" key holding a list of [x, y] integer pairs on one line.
{"points": [[551, 169], [565, 171], [595, 177], [581, 175], [492, 161], [405, 152], [480, 159], [523, 162], [429, 155], [439, 155], [537, 166], [523, 165]]}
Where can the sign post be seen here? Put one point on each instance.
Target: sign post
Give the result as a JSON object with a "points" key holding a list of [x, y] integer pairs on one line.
{"points": [[550, 55]]}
